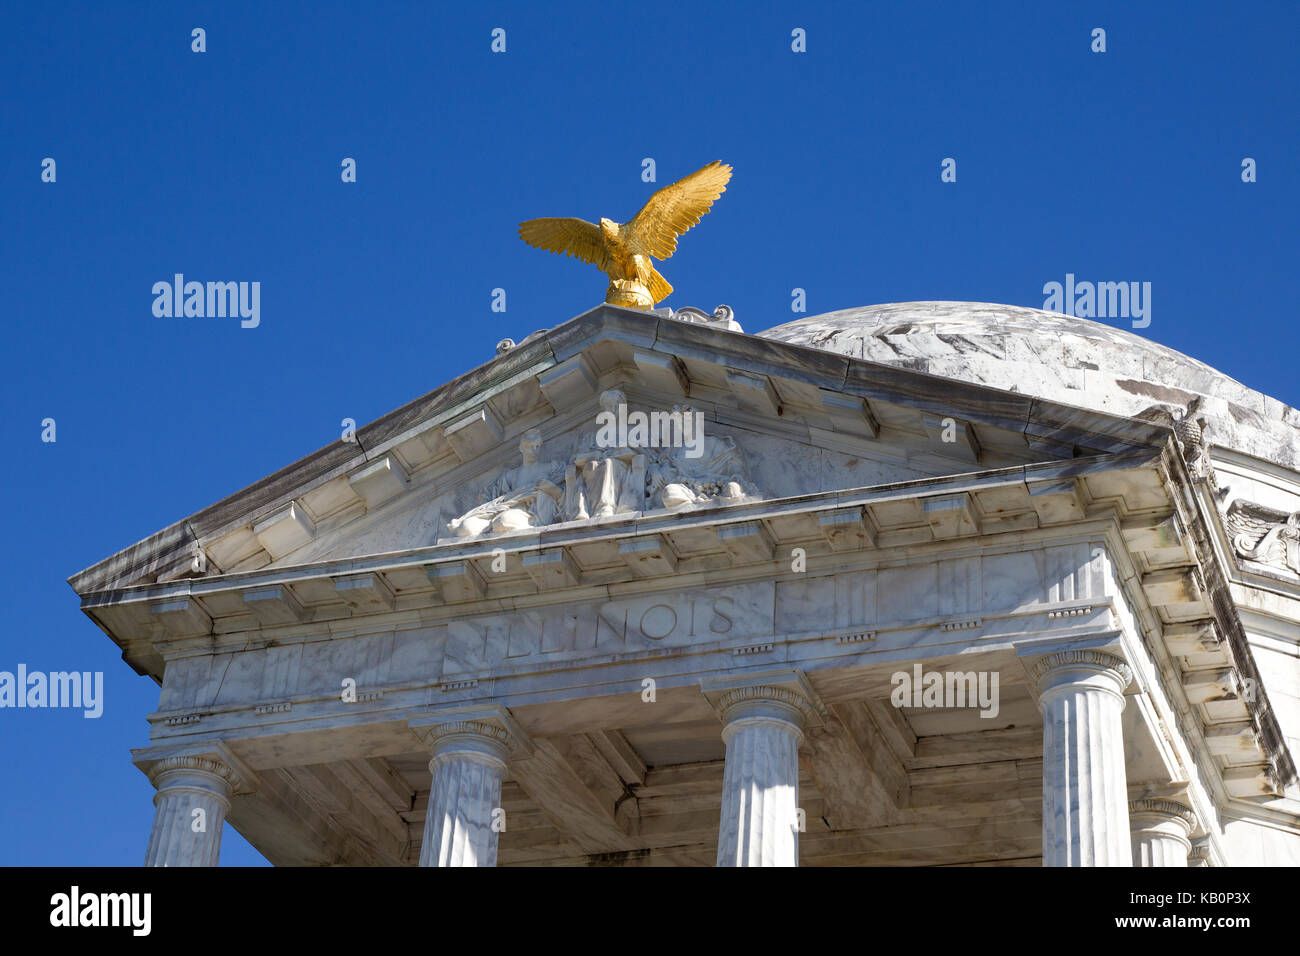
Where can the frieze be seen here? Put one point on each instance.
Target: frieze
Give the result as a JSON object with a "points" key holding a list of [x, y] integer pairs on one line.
{"points": [[874, 611], [615, 627]]}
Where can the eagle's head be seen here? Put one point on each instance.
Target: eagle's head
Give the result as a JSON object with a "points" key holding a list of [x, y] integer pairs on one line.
{"points": [[608, 228]]}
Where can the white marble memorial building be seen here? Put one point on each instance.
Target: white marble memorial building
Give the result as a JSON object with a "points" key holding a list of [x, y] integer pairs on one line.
{"points": [[934, 583]]}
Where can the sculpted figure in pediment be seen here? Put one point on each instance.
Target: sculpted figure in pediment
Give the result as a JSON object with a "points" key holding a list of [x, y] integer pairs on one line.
{"points": [[607, 475], [708, 469], [527, 496]]}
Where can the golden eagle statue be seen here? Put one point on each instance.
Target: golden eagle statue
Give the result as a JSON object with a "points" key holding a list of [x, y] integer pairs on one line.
{"points": [[623, 250]]}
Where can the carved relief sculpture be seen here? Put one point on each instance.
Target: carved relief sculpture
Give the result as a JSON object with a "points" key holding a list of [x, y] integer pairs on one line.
{"points": [[674, 479], [1265, 535], [524, 497], [606, 478], [604, 481], [1191, 427]]}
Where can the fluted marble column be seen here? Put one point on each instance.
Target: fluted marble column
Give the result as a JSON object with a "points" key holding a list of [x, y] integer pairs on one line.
{"points": [[191, 804], [1085, 800], [762, 728], [1161, 832], [469, 762]]}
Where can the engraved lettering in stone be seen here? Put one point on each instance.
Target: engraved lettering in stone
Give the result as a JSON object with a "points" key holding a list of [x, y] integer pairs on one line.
{"points": [[559, 632], [719, 614], [476, 644], [524, 632], [614, 622], [657, 626]]}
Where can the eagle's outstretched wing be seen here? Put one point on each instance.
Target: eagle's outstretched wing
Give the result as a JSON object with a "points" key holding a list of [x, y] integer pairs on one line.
{"points": [[573, 237], [1249, 524], [674, 209]]}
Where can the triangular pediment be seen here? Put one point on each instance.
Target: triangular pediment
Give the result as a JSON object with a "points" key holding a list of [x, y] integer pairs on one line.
{"points": [[778, 422], [650, 452]]}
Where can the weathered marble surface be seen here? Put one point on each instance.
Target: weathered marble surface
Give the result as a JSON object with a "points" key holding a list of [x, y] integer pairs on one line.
{"points": [[1247, 843], [469, 761], [658, 624], [1053, 356], [1085, 803], [1161, 831], [190, 811], [760, 790]]}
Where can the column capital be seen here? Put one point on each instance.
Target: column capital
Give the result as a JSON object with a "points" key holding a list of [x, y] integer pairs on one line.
{"points": [[187, 765], [1163, 809], [435, 732], [194, 784], [1080, 666], [762, 700], [491, 729], [1161, 831], [779, 695]]}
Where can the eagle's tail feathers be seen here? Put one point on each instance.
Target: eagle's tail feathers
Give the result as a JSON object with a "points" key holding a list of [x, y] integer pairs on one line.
{"points": [[659, 287]]}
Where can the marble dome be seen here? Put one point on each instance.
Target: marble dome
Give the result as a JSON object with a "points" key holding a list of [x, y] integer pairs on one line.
{"points": [[1057, 357]]}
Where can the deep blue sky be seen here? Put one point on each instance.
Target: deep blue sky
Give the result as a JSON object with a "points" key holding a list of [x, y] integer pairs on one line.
{"points": [[225, 166]]}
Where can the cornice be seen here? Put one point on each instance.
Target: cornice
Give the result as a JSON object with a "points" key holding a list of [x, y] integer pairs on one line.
{"points": [[1199, 516]]}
